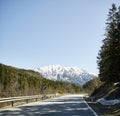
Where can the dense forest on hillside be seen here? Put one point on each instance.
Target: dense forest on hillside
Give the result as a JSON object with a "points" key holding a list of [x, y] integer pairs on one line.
{"points": [[19, 82], [92, 85]]}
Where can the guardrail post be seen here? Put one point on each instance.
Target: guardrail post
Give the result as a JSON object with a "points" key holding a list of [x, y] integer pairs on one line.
{"points": [[26, 100], [36, 99], [12, 103]]}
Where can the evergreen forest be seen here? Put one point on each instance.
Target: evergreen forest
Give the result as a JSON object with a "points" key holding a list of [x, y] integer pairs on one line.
{"points": [[109, 54], [20, 82]]}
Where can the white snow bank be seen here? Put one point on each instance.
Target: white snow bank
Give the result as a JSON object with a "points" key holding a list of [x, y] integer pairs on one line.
{"points": [[108, 102]]}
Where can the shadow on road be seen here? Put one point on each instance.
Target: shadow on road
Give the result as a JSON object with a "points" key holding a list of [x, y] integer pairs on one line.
{"points": [[54, 107]]}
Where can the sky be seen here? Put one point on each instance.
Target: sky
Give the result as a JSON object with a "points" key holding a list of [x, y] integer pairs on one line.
{"points": [[37, 33]]}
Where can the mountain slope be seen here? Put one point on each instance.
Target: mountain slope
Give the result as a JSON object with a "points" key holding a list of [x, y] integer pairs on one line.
{"points": [[66, 74], [17, 82]]}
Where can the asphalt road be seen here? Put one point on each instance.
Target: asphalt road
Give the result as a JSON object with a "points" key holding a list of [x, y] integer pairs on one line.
{"points": [[71, 105]]}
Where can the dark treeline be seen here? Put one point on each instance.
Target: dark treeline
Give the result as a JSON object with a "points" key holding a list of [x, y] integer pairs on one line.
{"points": [[108, 59], [107, 85], [17, 82], [109, 54]]}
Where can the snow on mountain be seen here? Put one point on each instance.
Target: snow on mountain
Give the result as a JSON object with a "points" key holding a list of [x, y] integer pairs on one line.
{"points": [[66, 74]]}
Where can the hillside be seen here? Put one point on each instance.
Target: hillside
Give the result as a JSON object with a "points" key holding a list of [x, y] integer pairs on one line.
{"points": [[16, 82], [98, 90], [66, 74], [92, 85]]}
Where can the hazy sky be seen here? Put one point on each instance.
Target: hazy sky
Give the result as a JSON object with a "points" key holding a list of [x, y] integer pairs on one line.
{"points": [[35, 33]]}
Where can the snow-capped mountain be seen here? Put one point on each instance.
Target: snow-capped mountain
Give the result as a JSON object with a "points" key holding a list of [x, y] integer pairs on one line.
{"points": [[66, 74]]}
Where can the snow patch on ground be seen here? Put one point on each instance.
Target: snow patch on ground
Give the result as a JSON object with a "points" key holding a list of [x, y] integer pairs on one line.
{"points": [[108, 102]]}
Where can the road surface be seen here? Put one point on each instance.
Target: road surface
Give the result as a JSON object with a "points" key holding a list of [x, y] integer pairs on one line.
{"points": [[70, 105]]}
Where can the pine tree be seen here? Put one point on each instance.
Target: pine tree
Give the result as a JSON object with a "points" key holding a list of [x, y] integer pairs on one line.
{"points": [[109, 55]]}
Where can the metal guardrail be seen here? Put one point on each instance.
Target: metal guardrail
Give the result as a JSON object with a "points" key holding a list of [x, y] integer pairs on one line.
{"points": [[12, 100]]}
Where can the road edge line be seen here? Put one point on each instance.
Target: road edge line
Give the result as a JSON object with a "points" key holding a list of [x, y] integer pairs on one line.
{"points": [[90, 108]]}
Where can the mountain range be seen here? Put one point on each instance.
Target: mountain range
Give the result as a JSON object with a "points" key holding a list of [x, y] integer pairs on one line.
{"points": [[73, 75]]}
